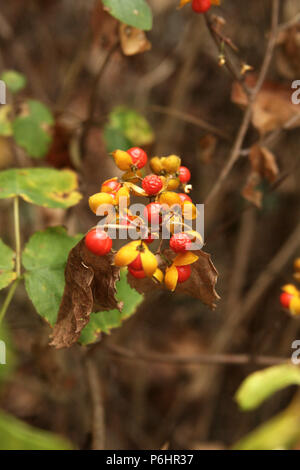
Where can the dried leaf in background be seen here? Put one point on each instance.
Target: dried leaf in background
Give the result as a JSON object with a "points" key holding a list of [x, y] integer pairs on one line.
{"points": [[133, 40]]}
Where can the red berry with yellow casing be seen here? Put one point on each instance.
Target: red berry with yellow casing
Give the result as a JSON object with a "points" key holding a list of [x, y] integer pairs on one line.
{"points": [[98, 242], [184, 272], [285, 299], [152, 184], [138, 156], [111, 186], [139, 274], [201, 6], [184, 174], [136, 264], [152, 214], [184, 197], [180, 242]]}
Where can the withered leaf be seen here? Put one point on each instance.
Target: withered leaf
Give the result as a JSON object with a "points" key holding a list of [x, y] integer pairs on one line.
{"points": [[133, 40], [273, 106], [263, 167], [90, 284], [201, 284]]}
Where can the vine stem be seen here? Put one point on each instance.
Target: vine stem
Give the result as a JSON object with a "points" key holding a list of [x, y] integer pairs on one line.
{"points": [[13, 287], [17, 235]]}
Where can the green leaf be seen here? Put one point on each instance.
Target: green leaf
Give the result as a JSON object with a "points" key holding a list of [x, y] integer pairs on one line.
{"points": [[7, 264], [17, 435], [15, 81], [44, 259], [31, 129], [127, 128], [5, 123], [281, 432], [45, 187], [262, 384], [107, 320], [135, 13]]}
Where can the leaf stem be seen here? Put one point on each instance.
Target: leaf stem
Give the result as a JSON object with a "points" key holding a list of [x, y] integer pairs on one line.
{"points": [[17, 235], [8, 299]]}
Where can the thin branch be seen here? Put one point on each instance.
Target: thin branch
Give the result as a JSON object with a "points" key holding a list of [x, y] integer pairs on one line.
{"points": [[201, 359], [191, 120], [236, 149], [98, 431], [17, 235], [8, 299]]}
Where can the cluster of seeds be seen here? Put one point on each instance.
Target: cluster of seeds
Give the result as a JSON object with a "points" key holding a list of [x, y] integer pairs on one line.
{"points": [[164, 207], [290, 297]]}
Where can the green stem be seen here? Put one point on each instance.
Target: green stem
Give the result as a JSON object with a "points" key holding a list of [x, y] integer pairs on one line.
{"points": [[17, 236], [8, 299]]}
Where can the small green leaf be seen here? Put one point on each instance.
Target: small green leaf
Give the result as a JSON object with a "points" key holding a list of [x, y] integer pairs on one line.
{"points": [[279, 433], [45, 187], [135, 13], [7, 274], [15, 81], [107, 320], [262, 384], [127, 128], [17, 435], [31, 129], [5, 123], [44, 259]]}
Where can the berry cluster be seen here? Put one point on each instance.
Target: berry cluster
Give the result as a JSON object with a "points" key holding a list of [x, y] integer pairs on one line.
{"points": [[164, 208], [290, 297]]}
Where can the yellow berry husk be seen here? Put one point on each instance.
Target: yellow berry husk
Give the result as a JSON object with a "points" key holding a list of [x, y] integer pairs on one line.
{"points": [[290, 289], [123, 193], [170, 198], [131, 176], [158, 276], [127, 254], [297, 265], [98, 199], [295, 306], [156, 165], [171, 277], [122, 159], [173, 184], [189, 210], [171, 164], [149, 261]]}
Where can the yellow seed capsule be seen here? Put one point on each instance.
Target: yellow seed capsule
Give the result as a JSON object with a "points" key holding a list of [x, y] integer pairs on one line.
{"points": [[170, 198], [158, 276], [189, 210], [171, 164], [290, 289], [124, 195], [295, 306], [173, 184], [131, 176], [156, 165], [297, 265], [98, 199], [122, 159]]}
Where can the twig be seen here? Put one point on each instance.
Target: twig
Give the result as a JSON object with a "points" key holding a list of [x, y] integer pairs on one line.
{"points": [[17, 235], [98, 442], [93, 98], [236, 149], [201, 359], [192, 120], [8, 299]]}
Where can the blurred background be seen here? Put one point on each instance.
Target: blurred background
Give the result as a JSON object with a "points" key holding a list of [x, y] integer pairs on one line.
{"points": [[186, 98]]}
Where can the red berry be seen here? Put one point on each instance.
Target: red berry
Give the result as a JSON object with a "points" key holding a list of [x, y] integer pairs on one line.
{"points": [[111, 186], [136, 265], [152, 213], [139, 274], [149, 239], [180, 242], [285, 299], [139, 157], [152, 184], [98, 242], [184, 174], [184, 197], [201, 6], [184, 273]]}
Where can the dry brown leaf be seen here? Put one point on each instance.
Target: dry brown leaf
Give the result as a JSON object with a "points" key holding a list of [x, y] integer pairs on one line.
{"points": [[90, 284], [263, 167], [133, 40], [272, 108], [207, 148], [201, 284], [288, 52]]}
